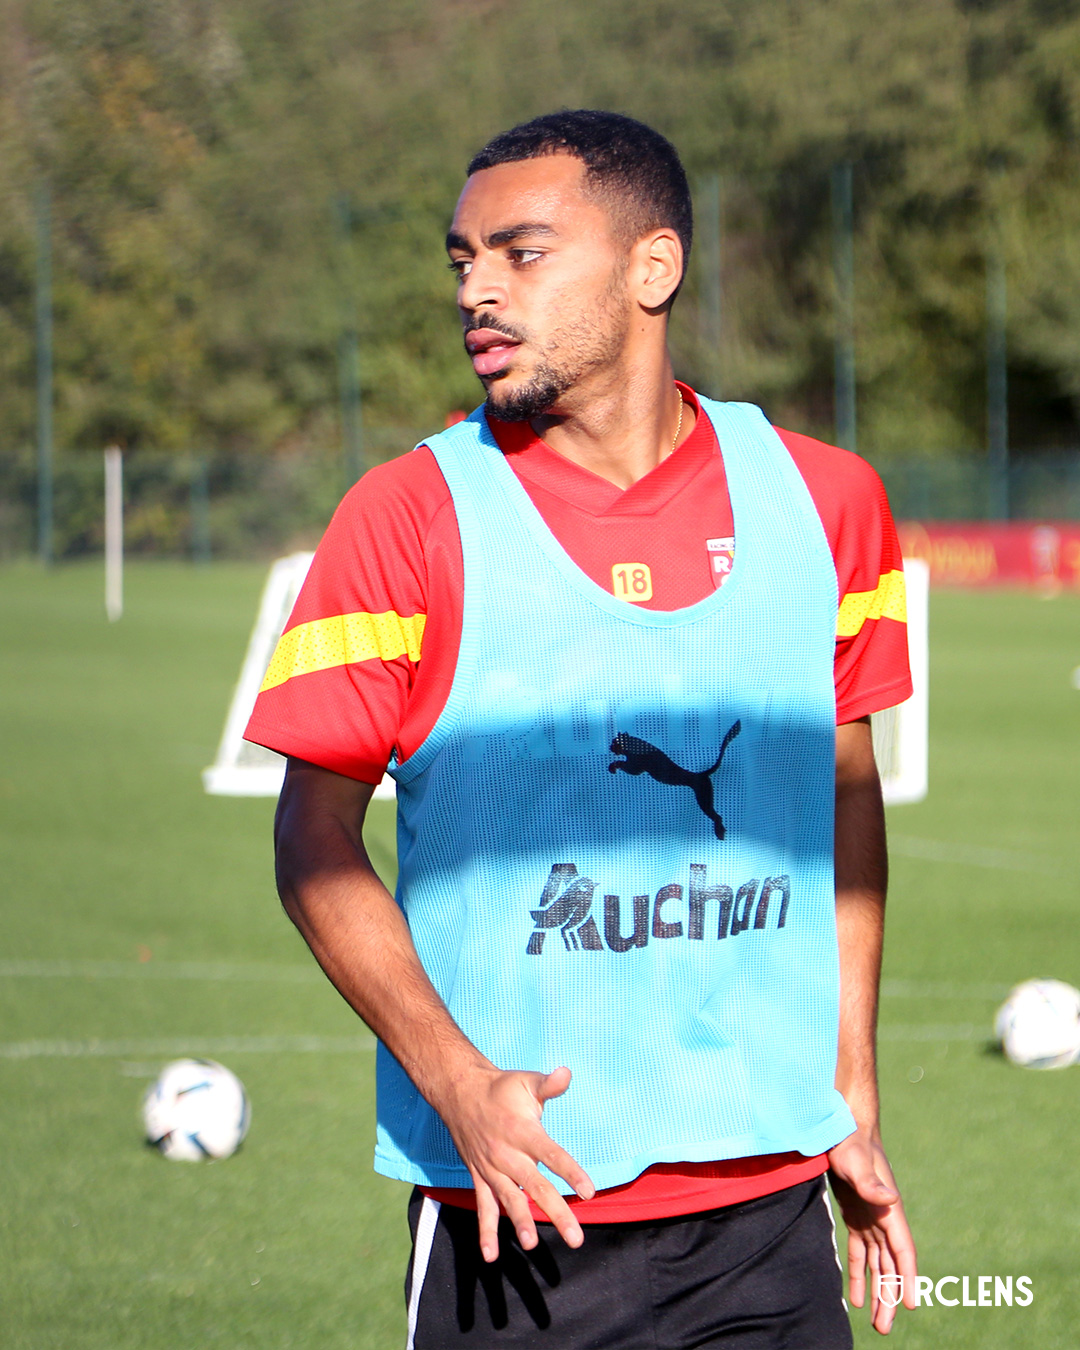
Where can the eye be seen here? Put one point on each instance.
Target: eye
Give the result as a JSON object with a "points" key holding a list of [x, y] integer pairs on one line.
{"points": [[524, 256], [460, 266]]}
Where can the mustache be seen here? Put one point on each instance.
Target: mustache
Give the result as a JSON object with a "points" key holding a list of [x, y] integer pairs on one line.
{"points": [[495, 325]]}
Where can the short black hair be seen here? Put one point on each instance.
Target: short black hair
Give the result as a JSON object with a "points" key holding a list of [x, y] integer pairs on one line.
{"points": [[635, 170]]}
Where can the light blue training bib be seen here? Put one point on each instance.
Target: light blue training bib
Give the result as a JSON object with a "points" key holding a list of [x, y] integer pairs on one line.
{"points": [[616, 845]]}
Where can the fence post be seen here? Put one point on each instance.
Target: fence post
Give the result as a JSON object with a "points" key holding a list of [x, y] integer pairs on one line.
{"points": [[43, 323], [200, 510], [114, 533], [997, 387], [843, 231], [711, 293], [352, 434]]}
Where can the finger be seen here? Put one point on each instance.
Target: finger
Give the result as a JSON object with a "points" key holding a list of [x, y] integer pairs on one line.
{"points": [[875, 1192], [516, 1207], [882, 1323], [886, 1312], [883, 1318], [870, 1187], [906, 1258], [487, 1215], [553, 1084], [544, 1195], [557, 1160], [893, 1233], [856, 1270], [873, 1261], [909, 1269]]}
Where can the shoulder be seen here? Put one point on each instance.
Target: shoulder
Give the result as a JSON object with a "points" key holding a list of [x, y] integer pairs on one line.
{"points": [[853, 509], [374, 554], [391, 513], [871, 668], [837, 479], [852, 505], [410, 489]]}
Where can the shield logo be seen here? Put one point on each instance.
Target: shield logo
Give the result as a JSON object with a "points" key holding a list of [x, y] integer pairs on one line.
{"points": [[891, 1290]]}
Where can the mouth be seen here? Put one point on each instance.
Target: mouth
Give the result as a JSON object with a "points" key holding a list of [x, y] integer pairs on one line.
{"points": [[491, 352]]}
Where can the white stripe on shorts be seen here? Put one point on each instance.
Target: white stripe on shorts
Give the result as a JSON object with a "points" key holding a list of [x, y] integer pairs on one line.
{"points": [[836, 1250], [425, 1236]]}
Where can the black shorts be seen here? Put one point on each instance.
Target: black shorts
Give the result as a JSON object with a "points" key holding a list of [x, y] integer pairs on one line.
{"points": [[761, 1274]]}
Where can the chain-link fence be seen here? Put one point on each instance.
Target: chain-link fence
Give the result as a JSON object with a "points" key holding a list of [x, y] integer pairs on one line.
{"points": [[1043, 486], [227, 505], [198, 506]]}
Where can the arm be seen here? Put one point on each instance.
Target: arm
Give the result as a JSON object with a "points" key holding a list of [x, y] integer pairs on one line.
{"points": [[361, 939], [879, 1239]]}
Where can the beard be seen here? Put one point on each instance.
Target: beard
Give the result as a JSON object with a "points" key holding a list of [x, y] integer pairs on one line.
{"points": [[591, 342], [533, 399]]}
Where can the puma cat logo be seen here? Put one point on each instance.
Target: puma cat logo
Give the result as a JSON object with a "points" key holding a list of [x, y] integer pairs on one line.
{"points": [[641, 757]]}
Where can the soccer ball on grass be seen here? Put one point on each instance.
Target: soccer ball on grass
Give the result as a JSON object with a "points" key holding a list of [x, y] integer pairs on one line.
{"points": [[1038, 1025], [196, 1110]]}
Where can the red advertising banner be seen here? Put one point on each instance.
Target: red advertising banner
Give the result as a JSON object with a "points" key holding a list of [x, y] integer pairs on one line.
{"points": [[1041, 554]]}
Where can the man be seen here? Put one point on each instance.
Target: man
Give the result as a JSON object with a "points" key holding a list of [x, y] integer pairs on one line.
{"points": [[621, 645]]}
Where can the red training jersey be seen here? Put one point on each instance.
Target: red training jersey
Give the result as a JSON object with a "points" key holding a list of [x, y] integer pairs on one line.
{"points": [[368, 655]]}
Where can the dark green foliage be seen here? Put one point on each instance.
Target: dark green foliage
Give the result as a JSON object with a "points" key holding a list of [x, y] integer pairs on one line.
{"points": [[195, 152]]}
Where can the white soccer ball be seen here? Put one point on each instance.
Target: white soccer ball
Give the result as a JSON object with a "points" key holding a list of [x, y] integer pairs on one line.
{"points": [[1038, 1025], [196, 1110]]}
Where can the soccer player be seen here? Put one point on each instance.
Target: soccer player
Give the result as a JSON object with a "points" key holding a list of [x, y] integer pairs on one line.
{"points": [[619, 645]]}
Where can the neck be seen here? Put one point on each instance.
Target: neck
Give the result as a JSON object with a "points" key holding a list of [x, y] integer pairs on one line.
{"points": [[619, 424]]}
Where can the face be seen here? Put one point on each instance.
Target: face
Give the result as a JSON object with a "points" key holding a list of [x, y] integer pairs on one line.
{"points": [[542, 285]]}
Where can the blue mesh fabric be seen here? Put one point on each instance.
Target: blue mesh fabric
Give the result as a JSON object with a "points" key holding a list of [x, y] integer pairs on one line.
{"points": [[616, 845]]}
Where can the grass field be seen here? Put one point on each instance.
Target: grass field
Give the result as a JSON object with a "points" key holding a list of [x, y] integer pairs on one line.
{"points": [[140, 921]]}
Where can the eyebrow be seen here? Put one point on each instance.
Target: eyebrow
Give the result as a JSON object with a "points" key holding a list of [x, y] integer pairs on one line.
{"points": [[501, 237]]}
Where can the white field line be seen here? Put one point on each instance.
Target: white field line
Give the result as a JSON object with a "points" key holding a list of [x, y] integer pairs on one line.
{"points": [[216, 971], [160, 970], [969, 855], [176, 1047], [960, 1031], [193, 1045], [942, 989], [213, 971]]}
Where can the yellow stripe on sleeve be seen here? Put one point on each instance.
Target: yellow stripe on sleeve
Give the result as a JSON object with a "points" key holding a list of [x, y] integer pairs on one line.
{"points": [[889, 601], [341, 640]]}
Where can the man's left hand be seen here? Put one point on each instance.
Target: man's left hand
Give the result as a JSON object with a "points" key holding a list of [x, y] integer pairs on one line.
{"points": [[879, 1240]]}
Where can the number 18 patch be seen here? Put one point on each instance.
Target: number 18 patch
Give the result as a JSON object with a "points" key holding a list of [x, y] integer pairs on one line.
{"points": [[631, 581]]}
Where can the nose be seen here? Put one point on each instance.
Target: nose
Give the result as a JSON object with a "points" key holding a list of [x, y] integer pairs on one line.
{"points": [[481, 288]]}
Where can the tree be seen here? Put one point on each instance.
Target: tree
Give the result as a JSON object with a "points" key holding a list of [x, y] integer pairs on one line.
{"points": [[196, 151]]}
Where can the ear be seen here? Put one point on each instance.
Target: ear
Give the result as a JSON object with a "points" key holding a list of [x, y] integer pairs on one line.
{"points": [[656, 268]]}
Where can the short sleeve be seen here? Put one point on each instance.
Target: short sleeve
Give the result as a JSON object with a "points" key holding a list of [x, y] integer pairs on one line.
{"points": [[337, 689], [870, 668], [871, 663]]}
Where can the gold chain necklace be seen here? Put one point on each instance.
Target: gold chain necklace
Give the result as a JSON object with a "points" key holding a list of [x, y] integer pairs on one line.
{"points": [[678, 428]]}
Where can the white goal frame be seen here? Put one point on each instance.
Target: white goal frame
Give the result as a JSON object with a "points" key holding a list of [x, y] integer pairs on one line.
{"points": [[902, 734], [242, 769]]}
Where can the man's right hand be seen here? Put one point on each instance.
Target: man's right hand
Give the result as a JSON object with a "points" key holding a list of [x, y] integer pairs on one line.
{"points": [[494, 1118]]}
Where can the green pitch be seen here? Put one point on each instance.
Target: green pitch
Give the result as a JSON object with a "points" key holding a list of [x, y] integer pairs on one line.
{"points": [[139, 920]]}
